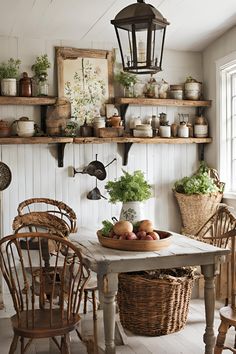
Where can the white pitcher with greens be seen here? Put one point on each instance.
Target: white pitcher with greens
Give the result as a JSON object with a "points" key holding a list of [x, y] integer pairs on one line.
{"points": [[131, 190]]}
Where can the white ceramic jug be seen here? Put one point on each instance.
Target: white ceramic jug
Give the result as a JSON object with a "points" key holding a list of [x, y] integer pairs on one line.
{"points": [[25, 127]]}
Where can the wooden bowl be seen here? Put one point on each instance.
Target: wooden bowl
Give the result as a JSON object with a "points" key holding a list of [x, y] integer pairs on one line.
{"points": [[136, 245]]}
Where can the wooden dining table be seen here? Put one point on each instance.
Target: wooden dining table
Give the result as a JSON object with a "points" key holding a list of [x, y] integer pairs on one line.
{"points": [[183, 251]]}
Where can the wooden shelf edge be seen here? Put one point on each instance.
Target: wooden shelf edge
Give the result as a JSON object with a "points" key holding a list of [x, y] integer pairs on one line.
{"points": [[162, 102], [155, 140], [33, 101], [94, 140], [35, 140]]}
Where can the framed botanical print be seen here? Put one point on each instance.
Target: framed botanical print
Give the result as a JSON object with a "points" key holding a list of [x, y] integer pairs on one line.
{"points": [[85, 77]]}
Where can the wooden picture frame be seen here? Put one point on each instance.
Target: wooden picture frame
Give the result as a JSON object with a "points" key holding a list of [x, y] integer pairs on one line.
{"points": [[85, 76]]}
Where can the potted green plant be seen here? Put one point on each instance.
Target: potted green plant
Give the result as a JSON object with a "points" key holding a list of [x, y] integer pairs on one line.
{"points": [[127, 80], [40, 67], [131, 190], [9, 73], [198, 197]]}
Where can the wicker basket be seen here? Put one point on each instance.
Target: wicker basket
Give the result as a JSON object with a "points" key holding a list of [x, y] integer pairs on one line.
{"points": [[153, 306], [196, 209]]}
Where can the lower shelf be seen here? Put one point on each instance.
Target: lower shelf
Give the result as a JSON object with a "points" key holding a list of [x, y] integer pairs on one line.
{"points": [[127, 141], [130, 139]]}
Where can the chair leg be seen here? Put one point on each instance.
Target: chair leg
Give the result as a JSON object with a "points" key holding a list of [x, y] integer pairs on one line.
{"points": [[94, 304], [220, 340], [22, 347], [13, 344], [65, 344], [85, 301], [235, 338]]}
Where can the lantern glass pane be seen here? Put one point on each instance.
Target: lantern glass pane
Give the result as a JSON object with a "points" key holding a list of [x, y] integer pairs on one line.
{"points": [[142, 50], [156, 46], [125, 38]]}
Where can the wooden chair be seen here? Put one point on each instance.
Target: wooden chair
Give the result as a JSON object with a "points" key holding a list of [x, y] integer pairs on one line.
{"points": [[55, 312], [220, 231], [38, 221], [51, 206]]}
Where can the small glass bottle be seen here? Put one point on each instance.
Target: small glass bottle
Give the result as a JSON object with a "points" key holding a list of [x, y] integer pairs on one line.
{"points": [[43, 85]]}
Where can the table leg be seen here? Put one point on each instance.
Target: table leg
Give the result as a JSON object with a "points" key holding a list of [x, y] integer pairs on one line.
{"points": [[110, 287], [209, 296]]}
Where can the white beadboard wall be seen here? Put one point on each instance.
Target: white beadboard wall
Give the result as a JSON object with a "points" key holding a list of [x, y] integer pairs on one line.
{"points": [[34, 167]]}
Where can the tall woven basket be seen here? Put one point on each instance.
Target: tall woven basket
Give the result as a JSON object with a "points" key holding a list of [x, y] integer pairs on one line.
{"points": [[153, 306], [196, 209]]}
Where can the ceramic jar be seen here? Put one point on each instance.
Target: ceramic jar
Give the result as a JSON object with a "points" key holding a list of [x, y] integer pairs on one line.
{"points": [[133, 122], [200, 128], [25, 86], [176, 92], [25, 127], [183, 130], [8, 87], [98, 122], [143, 131], [192, 90], [115, 120], [165, 131], [174, 129]]}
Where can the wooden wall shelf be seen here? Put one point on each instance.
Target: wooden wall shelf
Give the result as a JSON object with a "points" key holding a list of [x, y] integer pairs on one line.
{"points": [[127, 141], [35, 140], [27, 101], [130, 139], [161, 102]]}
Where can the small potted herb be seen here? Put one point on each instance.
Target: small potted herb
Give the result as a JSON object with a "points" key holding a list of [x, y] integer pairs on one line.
{"points": [[9, 73], [131, 190], [40, 67], [127, 80]]}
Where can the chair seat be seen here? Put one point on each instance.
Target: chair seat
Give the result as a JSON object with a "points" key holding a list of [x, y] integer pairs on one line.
{"points": [[228, 315], [42, 327]]}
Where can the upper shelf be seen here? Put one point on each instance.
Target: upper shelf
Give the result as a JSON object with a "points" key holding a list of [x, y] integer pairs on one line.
{"points": [[161, 102], [33, 101]]}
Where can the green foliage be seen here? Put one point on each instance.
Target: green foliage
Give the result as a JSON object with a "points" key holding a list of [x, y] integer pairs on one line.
{"points": [[107, 227], [10, 69], [199, 183], [129, 188], [126, 79], [40, 66]]}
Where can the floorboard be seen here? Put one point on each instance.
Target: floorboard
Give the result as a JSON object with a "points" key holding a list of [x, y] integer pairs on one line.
{"points": [[186, 341]]}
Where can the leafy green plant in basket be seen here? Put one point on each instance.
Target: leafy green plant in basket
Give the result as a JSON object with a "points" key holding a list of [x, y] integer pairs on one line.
{"points": [[198, 197], [200, 183]]}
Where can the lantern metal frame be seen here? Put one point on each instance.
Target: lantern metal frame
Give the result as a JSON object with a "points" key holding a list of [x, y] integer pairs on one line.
{"points": [[135, 18]]}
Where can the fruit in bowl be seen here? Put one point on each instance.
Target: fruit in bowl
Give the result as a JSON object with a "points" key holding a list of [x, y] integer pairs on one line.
{"points": [[125, 230]]}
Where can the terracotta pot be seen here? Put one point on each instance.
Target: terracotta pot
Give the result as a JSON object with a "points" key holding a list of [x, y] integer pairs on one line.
{"points": [[5, 130]]}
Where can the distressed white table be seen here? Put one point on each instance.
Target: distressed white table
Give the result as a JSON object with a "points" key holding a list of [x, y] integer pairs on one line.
{"points": [[183, 251]]}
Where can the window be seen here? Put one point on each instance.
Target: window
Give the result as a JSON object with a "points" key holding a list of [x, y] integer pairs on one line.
{"points": [[227, 124]]}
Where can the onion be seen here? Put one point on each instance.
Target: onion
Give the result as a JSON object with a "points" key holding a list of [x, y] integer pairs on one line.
{"points": [[121, 227]]}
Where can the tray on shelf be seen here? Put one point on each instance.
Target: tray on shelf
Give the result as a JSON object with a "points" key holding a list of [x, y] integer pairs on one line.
{"points": [[136, 245]]}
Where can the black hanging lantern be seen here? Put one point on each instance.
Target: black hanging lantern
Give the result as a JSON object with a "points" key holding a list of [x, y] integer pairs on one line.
{"points": [[140, 30]]}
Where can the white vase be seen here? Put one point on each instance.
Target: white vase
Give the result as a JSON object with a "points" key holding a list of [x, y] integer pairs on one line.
{"points": [[8, 87], [132, 211]]}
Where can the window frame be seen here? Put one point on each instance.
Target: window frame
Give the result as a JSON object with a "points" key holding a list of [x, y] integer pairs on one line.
{"points": [[225, 69]]}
